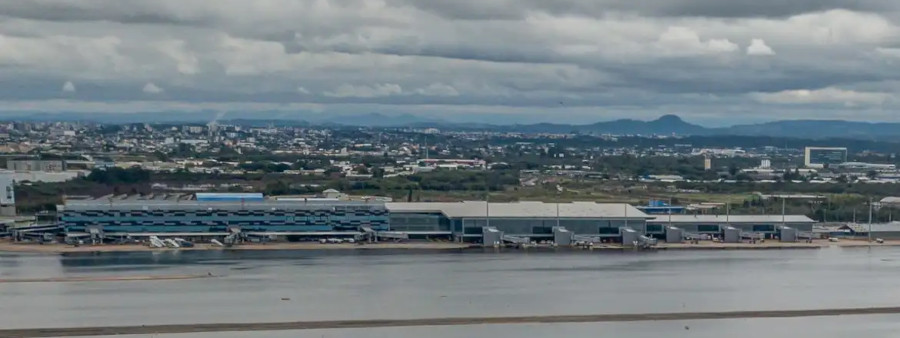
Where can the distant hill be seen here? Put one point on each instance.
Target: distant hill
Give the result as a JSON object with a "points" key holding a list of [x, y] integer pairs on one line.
{"points": [[814, 129], [674, 125], [664, 125]]}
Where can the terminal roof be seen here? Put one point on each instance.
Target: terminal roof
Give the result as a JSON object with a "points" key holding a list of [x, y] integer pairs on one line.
{"points": [[478, 209], [731, 219]]}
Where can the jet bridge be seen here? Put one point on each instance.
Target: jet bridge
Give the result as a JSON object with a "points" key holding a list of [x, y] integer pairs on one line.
{"points": [[631, 237], [587, 238], [731, 234], [561, 236], [491, 236], [516, 239], [369, 234], [788, 234], [39, 232], [674, 235], [753, 236], [394, 235]]}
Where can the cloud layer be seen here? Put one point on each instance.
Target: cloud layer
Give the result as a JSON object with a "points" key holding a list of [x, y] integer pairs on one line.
{"points": [[566, 60]]}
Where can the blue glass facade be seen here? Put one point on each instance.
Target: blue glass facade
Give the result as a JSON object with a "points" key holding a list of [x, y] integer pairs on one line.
{"points": [[217, 217]]}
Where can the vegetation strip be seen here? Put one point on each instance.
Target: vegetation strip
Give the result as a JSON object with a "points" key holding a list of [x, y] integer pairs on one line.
{"points": [[344, 324]]}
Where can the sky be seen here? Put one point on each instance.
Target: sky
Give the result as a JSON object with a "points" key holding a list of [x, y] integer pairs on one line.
{"points": [[515, 61]]}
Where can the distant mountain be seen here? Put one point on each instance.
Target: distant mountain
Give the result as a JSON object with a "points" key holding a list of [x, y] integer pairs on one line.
{"points": [[664, 125], [674, 125], [815, 129]]}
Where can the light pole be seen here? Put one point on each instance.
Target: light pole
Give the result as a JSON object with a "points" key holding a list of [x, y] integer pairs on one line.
{"points": [[870, 220], [557, 208], [670, 211], [487, 209], [727, 217], [783, 203], [557, 214], [670, 216]]}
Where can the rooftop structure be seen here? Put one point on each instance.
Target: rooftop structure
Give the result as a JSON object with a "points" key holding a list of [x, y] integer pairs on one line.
{"points": [[865, 166], [677, 219], [661, 207], [36, 165], [206, 196], [890, 201]]}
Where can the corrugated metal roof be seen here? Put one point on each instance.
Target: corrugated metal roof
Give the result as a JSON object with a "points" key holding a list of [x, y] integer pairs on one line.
{"points": [[184, 202], [214, 196], [876, 227], [478, 209], [731, 219], [890, 200]]}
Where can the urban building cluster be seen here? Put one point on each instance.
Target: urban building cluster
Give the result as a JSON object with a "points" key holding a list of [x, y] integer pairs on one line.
{"points": [[60, 151]]}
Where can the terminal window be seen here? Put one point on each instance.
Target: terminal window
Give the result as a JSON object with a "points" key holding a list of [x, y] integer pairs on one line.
{"points": [[708, 228], [654, 228], [608, 231], [474, 230], [541, 230], [763, 227]]}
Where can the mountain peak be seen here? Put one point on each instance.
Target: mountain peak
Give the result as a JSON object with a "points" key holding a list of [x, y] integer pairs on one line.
{"points": [[670, 118], [664, 125]]}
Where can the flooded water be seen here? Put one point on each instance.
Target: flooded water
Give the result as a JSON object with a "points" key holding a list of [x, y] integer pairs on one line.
{"points": [[316, 285]]}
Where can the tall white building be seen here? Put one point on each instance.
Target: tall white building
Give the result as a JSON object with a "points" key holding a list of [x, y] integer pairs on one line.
{"points": [[819, 157], [7, 193]]}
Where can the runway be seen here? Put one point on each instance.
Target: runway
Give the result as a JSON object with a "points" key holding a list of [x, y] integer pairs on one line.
{"points": [[102, 279], [344, 324]]}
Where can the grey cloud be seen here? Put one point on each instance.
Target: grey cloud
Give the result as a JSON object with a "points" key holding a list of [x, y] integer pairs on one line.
{"points": [[196, 12], [516, 9], [756, 8], [454, 56], [139, 12]]}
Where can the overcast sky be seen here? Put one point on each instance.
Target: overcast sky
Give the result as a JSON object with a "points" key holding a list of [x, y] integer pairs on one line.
{"points": [[709, 61]]}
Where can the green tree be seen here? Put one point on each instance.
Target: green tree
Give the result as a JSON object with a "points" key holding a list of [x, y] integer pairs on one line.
{"points": [[872, 174]]}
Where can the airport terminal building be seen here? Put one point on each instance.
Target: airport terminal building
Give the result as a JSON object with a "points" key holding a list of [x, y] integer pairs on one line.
{"points": [[466, 221], [764, 226], [207, 214], [217, 215]]}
